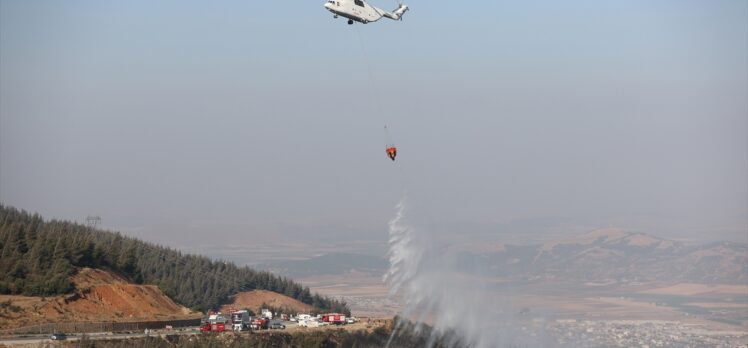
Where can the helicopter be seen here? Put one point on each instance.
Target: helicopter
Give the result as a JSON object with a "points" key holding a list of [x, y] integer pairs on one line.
{"points": [[360, 11]]}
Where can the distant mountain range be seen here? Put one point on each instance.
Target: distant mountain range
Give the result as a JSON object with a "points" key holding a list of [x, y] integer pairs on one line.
{"points": [[605, 256], [612, 255]]}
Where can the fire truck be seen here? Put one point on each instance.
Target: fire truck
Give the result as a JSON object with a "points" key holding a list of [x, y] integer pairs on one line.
{"points": [[218, 322], [334, 318], [215, 323], [260, 324]]}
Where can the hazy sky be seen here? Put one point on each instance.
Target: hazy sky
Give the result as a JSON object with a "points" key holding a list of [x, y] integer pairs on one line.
{"points": [[238, 117]]}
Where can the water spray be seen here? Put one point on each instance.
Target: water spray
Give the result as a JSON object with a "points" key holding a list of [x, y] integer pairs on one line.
{"points": [[461, 310]]}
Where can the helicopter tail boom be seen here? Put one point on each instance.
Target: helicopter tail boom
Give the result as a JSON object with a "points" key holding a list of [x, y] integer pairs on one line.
{"points": [[397, 14]]}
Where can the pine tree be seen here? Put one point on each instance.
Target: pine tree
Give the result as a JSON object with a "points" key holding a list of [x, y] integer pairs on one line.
{"points": [[38, 258]]}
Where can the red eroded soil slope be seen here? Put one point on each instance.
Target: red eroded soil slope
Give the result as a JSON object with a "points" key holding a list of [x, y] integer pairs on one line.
{"points": [[99, 296]]}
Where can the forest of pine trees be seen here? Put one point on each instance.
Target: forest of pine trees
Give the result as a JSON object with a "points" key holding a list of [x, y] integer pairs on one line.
{"points": [[38, 257]]}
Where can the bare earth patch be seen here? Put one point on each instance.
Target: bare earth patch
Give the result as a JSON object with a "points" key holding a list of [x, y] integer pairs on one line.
{"points": [[99, 296], [254, 299]]}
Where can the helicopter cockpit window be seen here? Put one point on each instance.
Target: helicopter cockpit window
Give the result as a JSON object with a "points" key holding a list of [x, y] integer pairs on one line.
{"points": [[359, 2]]}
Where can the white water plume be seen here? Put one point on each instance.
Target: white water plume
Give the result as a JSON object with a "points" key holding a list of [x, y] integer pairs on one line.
{"points": [[461, 308]]}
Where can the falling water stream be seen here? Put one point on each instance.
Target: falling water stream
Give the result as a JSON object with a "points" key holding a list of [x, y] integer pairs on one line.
{"points": [[460, 308]]}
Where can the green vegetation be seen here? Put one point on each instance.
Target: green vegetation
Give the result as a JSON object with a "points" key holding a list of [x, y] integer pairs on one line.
{"points": [[38, 257]]}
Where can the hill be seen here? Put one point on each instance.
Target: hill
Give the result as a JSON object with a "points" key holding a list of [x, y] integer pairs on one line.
{"points": [[257, 299], [614, 256], [98, 296], [38, 258]]}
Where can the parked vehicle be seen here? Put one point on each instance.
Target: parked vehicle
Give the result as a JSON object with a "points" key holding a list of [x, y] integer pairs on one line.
{"points": [[334, 318], [260, 324], [266, 313], [240, 320], [313, 322], [215, 323], [277, 325]]}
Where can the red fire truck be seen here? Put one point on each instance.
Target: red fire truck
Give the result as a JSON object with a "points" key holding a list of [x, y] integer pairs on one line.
{"points": [[215, 323], [334, 318], [260, 324]]}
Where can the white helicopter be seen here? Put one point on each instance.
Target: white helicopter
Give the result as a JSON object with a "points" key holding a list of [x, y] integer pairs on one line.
{"points": [[360, 11]]}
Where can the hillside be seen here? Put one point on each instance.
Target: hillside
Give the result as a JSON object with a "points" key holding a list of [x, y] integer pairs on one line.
{"points": [[38, 258], [256, 299], [611, 255], [98, 296]]}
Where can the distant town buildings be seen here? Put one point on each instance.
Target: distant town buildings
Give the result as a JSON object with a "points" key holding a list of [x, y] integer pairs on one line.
{"points": [[643, 333]]}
